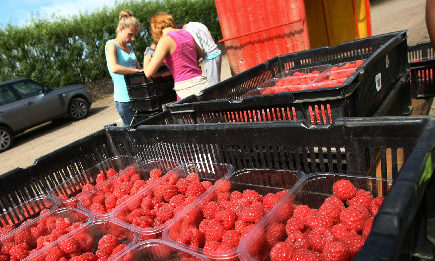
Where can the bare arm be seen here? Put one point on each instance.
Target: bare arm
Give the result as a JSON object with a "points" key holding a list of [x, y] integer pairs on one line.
{"points": [[113, 64], [430, 20], [151, 64]]}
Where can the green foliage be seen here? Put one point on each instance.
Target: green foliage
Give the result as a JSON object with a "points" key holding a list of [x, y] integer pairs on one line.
{"points": [[66, 51]]}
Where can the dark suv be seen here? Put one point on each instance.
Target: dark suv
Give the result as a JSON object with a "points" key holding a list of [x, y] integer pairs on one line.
{"points": [[25, 103]]}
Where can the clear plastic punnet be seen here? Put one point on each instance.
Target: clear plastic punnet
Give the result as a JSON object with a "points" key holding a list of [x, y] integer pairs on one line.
{"points": [[13, 218], [153, 209], [158, 250], [38, 234], [77, 187], [215, 225], [328, 211], [100, 238], [101, 201]]}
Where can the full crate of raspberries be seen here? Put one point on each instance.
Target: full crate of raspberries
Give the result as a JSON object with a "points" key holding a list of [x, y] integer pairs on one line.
{"points": [[237, 191]]}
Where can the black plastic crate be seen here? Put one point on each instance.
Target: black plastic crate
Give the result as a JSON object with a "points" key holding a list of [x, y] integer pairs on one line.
{"points": [[385, 62], [145, 104], [398, 102], [421, 58]]}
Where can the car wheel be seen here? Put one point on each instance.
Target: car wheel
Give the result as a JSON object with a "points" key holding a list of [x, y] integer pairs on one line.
{"points": [[78, 109], [6, 138]]}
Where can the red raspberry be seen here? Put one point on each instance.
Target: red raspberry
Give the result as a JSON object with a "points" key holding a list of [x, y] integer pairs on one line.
{"points": [[336, 201], [222, 196], [335, 251], [138, 185], [193, 217], [207, 184], [110, 201], [301, 212], [269, 201], [252, 196], [171, 177], [211, 245], [100, 177], [169, 192], [364, 211], [77, 258], [85, 241], [98, 198], [231, 238], [367, 227], [118, 249], [284, 212], [107, 243], [177, 200], [251, 214], [319, 220], [97, 208], [195, 189], [361, 197], [240, 226], [37, 231], [155, 173], [331, 210], [182, 185], [275, 233], [340, 231], [297, 240], [214, 231], [225, 186], [293, 225], [6, 229], [63, 223], [110, 172], [54, 253], [19, 251], [164, 213], [235, 195], [23, 236], [318, 238], [375, 205], [353, 243], [193, 178], [68, 245], [281, 252], [6, 247], [304, 254], [143, 221], [352, 218], [87, 187], [210, 209], [227, 218], [344, 189]]}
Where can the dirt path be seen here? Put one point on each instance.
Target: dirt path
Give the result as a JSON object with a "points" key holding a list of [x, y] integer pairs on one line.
{"points": [[387, 16]]}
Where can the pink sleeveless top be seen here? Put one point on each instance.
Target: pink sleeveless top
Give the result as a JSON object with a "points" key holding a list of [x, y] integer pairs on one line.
{"points": [[183, 62]]}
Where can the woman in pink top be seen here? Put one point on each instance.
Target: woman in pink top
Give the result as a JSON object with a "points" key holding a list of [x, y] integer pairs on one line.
{"points": [[177, 48]]}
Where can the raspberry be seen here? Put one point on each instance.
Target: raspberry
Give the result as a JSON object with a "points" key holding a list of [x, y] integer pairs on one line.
{"points": [[222, 196], [23, 236], [182, 185], [138, 185], [297, 240], [301, 212], [364, 211], [6, 229], [227, 218], [225, 186], [231, 238], [281, 252], [211, 245], [193, 178], [98, 208], [207, 184], [85, 241], [252, 196], [210, 209], [68, 245], [275, 233], [143, 221], [353, 243], [240, 226], [37, 231], [193, 217], [214, 231], [171, 177], [235, 195], [195, 189], [6, 247], [335, 201], [110, 201], [77, 258], [367, 227], [269, 201], [169, 192], [344, 189], [251, 214], [319, 220], [19, 251], [107, 243], [352, 218], [361, 197], [110, 172], [335, 251], [318, 238], [87, 187], [100, 177], [155, 173], [339, 231], [118, 249], [63, 223], [164, 213], [177, 200], [375, 205], [98, 198], [293, 225], [54, 253], [303, 254], [331, 210], [284, 212]]}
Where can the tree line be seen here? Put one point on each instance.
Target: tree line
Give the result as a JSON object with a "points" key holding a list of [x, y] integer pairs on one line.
{"points": [[70, 50]]}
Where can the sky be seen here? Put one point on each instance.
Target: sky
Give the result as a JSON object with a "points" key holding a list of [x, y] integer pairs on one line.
{"points": [[20, 12]]}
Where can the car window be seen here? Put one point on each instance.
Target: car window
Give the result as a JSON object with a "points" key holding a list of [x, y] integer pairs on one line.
{"points": [[27, 89], [6, 95]]}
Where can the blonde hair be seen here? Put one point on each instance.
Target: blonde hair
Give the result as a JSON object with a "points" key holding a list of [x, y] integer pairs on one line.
{"points": [[159, 22], [127, 20]]}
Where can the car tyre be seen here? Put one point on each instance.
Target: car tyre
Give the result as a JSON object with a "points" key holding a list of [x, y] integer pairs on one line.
{"points": [[78, 109], [6, 138]]}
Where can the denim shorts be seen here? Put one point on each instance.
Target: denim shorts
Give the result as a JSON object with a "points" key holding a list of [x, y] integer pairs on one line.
{"points": [[126, 112]]}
